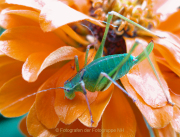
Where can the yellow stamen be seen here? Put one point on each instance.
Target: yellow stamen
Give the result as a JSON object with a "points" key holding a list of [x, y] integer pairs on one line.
{"points": [[139, 11]]}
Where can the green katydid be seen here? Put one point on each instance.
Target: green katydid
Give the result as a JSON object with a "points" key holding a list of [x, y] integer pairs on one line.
{"points": [[103, 71]]}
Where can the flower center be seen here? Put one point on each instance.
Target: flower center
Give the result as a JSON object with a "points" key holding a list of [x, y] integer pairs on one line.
{"points": [[139, 11]]}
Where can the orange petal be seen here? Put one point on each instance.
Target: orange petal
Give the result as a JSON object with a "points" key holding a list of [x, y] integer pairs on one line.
{"points": [[32, 65], [177, 33], [10, 21], [171, 78], [172, 23], [176, 119], [23, 127], [169, 48], [9, 71], [77, 129], [37, 4], [167, 8], [167, 131], [20, 42], [118, 116], [33, 15], [156, 117], [15, 7], [4, 60], [50, 20], [144, 81], [14, 94], [159, 58], [97, 108], [74, 35], [8, 96], [141, 128], [45, 103], [37, 62], [35, 128], [68, 40], [83, 6]]}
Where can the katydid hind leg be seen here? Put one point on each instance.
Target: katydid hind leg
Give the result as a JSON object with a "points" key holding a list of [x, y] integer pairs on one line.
{"points": [[87, 52], [155, 72], [85, 93], [115, 83]]}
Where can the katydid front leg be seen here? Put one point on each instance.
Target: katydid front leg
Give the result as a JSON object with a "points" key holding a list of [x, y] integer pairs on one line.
{"points": [[76, 63], [85, 93]]}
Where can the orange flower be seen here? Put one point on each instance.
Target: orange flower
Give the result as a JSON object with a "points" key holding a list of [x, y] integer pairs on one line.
{"points": [[39, 36]]}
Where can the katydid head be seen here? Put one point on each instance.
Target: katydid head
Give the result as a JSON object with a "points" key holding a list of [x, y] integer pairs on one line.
{"points": [[73, 85], [69, 90]]}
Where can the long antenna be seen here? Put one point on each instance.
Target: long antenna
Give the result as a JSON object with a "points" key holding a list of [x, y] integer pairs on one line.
{"points": [[21, 99]]}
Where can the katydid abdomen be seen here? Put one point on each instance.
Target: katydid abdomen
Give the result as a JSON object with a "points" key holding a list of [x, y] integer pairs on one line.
{"points": [[105, 64]]}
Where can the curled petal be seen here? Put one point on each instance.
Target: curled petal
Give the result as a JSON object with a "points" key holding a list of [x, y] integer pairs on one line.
{"points": [[173, 21], [144, 81], [141, 128], [68, 40], [23, 127], [171, 78], [74, 35], [37, 62], [50, 20], [80, 130], [10, 21], [119, 116], [35, 127], [169, 48], [20, 42], [159, 58], [154, 115]]}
